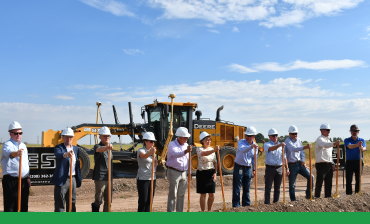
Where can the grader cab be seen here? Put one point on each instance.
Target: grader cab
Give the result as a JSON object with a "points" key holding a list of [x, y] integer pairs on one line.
{"points": [[158, 121]]}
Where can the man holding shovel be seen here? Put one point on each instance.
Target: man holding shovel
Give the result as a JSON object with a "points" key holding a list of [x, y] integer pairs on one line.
{"points": [[354, 145], [244, 163], [274, 165], [324, 161], [296, 162], [13, 150], [100, 174], [177, 164], [65, 154]]}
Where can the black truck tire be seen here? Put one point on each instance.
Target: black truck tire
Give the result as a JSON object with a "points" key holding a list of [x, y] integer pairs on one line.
{"points": [[84, 163], [227, 159]]}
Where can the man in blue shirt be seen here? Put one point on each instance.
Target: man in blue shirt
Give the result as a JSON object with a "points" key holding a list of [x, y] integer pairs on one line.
{"points": [[274, 165], [242, 169], [354, 149], [296, 161], [11, 152]]}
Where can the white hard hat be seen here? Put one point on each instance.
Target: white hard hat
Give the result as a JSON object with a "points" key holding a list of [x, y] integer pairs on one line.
{"points": [[250, 131], [273, 131], [203, 135], [14, 125], [149, 136], [325, 126], [67, 132], [182, 132], [293, 129], [104, 131]]}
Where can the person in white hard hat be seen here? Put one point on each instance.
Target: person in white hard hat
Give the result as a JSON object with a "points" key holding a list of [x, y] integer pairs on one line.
{"points": [[324, 161], [177, 164], [66, 153], [244, 162], [274, 165], [100, 174], [206, 171], [10, 156], [296, 161], [145, 156]]}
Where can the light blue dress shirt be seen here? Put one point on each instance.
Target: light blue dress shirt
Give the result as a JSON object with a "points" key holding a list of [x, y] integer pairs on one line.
{"points": [[273, 158], [245, 154], [9, 164], [294, 150]]}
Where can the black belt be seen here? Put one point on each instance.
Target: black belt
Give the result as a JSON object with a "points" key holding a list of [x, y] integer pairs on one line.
{"points": [[243, 166], [276, 167], [8, 175], [175, 169], [295, 162]]}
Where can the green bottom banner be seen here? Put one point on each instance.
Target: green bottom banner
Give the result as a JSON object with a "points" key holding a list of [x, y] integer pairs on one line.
{"points": [[179, 218]]}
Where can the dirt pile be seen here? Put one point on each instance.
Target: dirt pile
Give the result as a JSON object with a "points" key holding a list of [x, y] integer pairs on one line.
{"points": [[345, 203]]}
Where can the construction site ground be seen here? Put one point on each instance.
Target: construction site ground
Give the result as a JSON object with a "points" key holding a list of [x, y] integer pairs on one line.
{"points": [[125, 197]]}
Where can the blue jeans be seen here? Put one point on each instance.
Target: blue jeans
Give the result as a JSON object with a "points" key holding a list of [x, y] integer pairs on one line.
{"points": [[238, 180], [296, 169]]}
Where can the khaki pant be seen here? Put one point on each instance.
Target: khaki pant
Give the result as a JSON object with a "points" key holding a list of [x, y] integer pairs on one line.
{"points": [[101, 190], [177, 188]]}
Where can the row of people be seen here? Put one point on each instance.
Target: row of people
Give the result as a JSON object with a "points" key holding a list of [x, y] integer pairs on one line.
{"points": [[177, 164], [294, 157]]}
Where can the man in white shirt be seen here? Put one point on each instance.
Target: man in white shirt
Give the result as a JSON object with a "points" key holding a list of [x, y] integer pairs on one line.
{"points": [[13, 150], [324, 161]]}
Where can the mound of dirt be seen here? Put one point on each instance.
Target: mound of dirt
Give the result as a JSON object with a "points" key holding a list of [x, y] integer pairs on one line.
{"points": [[345, 203]]}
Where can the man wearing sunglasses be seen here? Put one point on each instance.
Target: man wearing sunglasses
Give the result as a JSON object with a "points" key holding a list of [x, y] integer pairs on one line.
{"points": [[296, 161], [100, 174], [11, 152], [274, 165], [324, 161], [244, 162], [355, 147]]}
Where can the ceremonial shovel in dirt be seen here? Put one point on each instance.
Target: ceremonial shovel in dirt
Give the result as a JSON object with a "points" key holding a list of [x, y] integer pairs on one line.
{"points": [[20, 183]]}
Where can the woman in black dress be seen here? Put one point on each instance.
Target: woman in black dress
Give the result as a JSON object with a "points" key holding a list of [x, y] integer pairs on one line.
{"points": [[206, 172]]}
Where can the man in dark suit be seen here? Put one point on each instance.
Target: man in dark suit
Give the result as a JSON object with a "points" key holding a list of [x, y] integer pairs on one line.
{"points": [[64, 153]]}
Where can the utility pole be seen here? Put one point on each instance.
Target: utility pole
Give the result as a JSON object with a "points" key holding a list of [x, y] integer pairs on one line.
{"points": [[38, 139]]}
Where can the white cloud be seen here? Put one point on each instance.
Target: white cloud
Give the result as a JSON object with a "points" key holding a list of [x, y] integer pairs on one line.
{"points": [[345, 84], [63, 97], [235, 29], [111, 6], [298, 64], [133, 51], [214, 31], [277, 103], [271, 13], [318, 80], [240, 68], [267, 45]]}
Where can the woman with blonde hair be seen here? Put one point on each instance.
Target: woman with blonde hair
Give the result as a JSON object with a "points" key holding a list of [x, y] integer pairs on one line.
{"points": [[206, 171]]}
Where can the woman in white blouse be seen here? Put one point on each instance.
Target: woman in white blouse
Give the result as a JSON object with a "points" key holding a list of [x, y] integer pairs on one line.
{"points": [[206, 172]]}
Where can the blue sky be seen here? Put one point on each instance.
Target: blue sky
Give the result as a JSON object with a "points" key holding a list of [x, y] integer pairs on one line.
{"points": [[270, 63]]}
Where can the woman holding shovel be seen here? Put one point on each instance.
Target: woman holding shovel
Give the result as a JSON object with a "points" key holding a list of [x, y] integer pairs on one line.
{"points": [[206, 171], [145, 156]]}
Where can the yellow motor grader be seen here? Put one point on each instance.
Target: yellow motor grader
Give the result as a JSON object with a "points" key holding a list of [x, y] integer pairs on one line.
{"points": [[158, 118]]}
